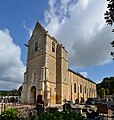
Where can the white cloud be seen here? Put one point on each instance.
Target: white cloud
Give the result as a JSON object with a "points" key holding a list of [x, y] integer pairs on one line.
{"points": [[83, 3], [81, 28], [11, 66], [27, 28], [84, 74], [99, 81]]}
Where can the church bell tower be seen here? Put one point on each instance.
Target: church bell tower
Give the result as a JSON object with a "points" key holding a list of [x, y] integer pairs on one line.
{"points": [[35, 67]]}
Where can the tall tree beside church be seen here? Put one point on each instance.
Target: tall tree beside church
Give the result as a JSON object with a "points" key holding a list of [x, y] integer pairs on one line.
{"points": [[107, 91], [108, 84], [102, 93], [109, 17], [113, 91], [19, 90]]}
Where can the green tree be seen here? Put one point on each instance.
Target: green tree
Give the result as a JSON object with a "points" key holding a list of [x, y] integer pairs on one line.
{"points": [[109, 17], [19, 90], [107, 91], [107, 83], [98, 91], [113, 91], [98, 88], [102, 93]]}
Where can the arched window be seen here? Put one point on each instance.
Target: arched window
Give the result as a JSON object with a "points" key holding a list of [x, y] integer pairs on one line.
{"points": [[36, 47], [85, 89], [53, 47], [74, 87], [80, 88]]}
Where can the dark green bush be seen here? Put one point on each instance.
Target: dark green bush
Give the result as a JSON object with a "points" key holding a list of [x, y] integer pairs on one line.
{"points": [[13, 114], [58, 116], [9, 114]]}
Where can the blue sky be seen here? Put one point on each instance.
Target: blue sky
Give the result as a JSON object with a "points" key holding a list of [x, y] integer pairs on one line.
{"points": [[14, 13], [78, 25]]}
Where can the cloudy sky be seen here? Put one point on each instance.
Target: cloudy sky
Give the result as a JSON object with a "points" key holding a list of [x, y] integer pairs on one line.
{"points": [[78, 25]]}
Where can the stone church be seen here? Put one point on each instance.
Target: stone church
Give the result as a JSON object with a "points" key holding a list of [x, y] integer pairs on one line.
{"points": [[47, 73]]}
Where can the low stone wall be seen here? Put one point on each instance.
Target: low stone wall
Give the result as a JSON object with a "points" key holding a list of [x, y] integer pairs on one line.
{"points": [[20, 107], [2, 107]]}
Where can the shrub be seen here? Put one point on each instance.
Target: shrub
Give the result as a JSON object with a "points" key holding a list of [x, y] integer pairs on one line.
{"points": [[9, 114], [58, 116]]}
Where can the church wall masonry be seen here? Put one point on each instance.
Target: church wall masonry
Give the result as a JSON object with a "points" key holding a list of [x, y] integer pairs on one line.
{"points": [[47, 73]]}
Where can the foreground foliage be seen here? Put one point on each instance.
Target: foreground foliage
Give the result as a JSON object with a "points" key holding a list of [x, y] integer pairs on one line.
{"points": [[10, 114], [58, 116], [13, 114], [109, 17]]}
